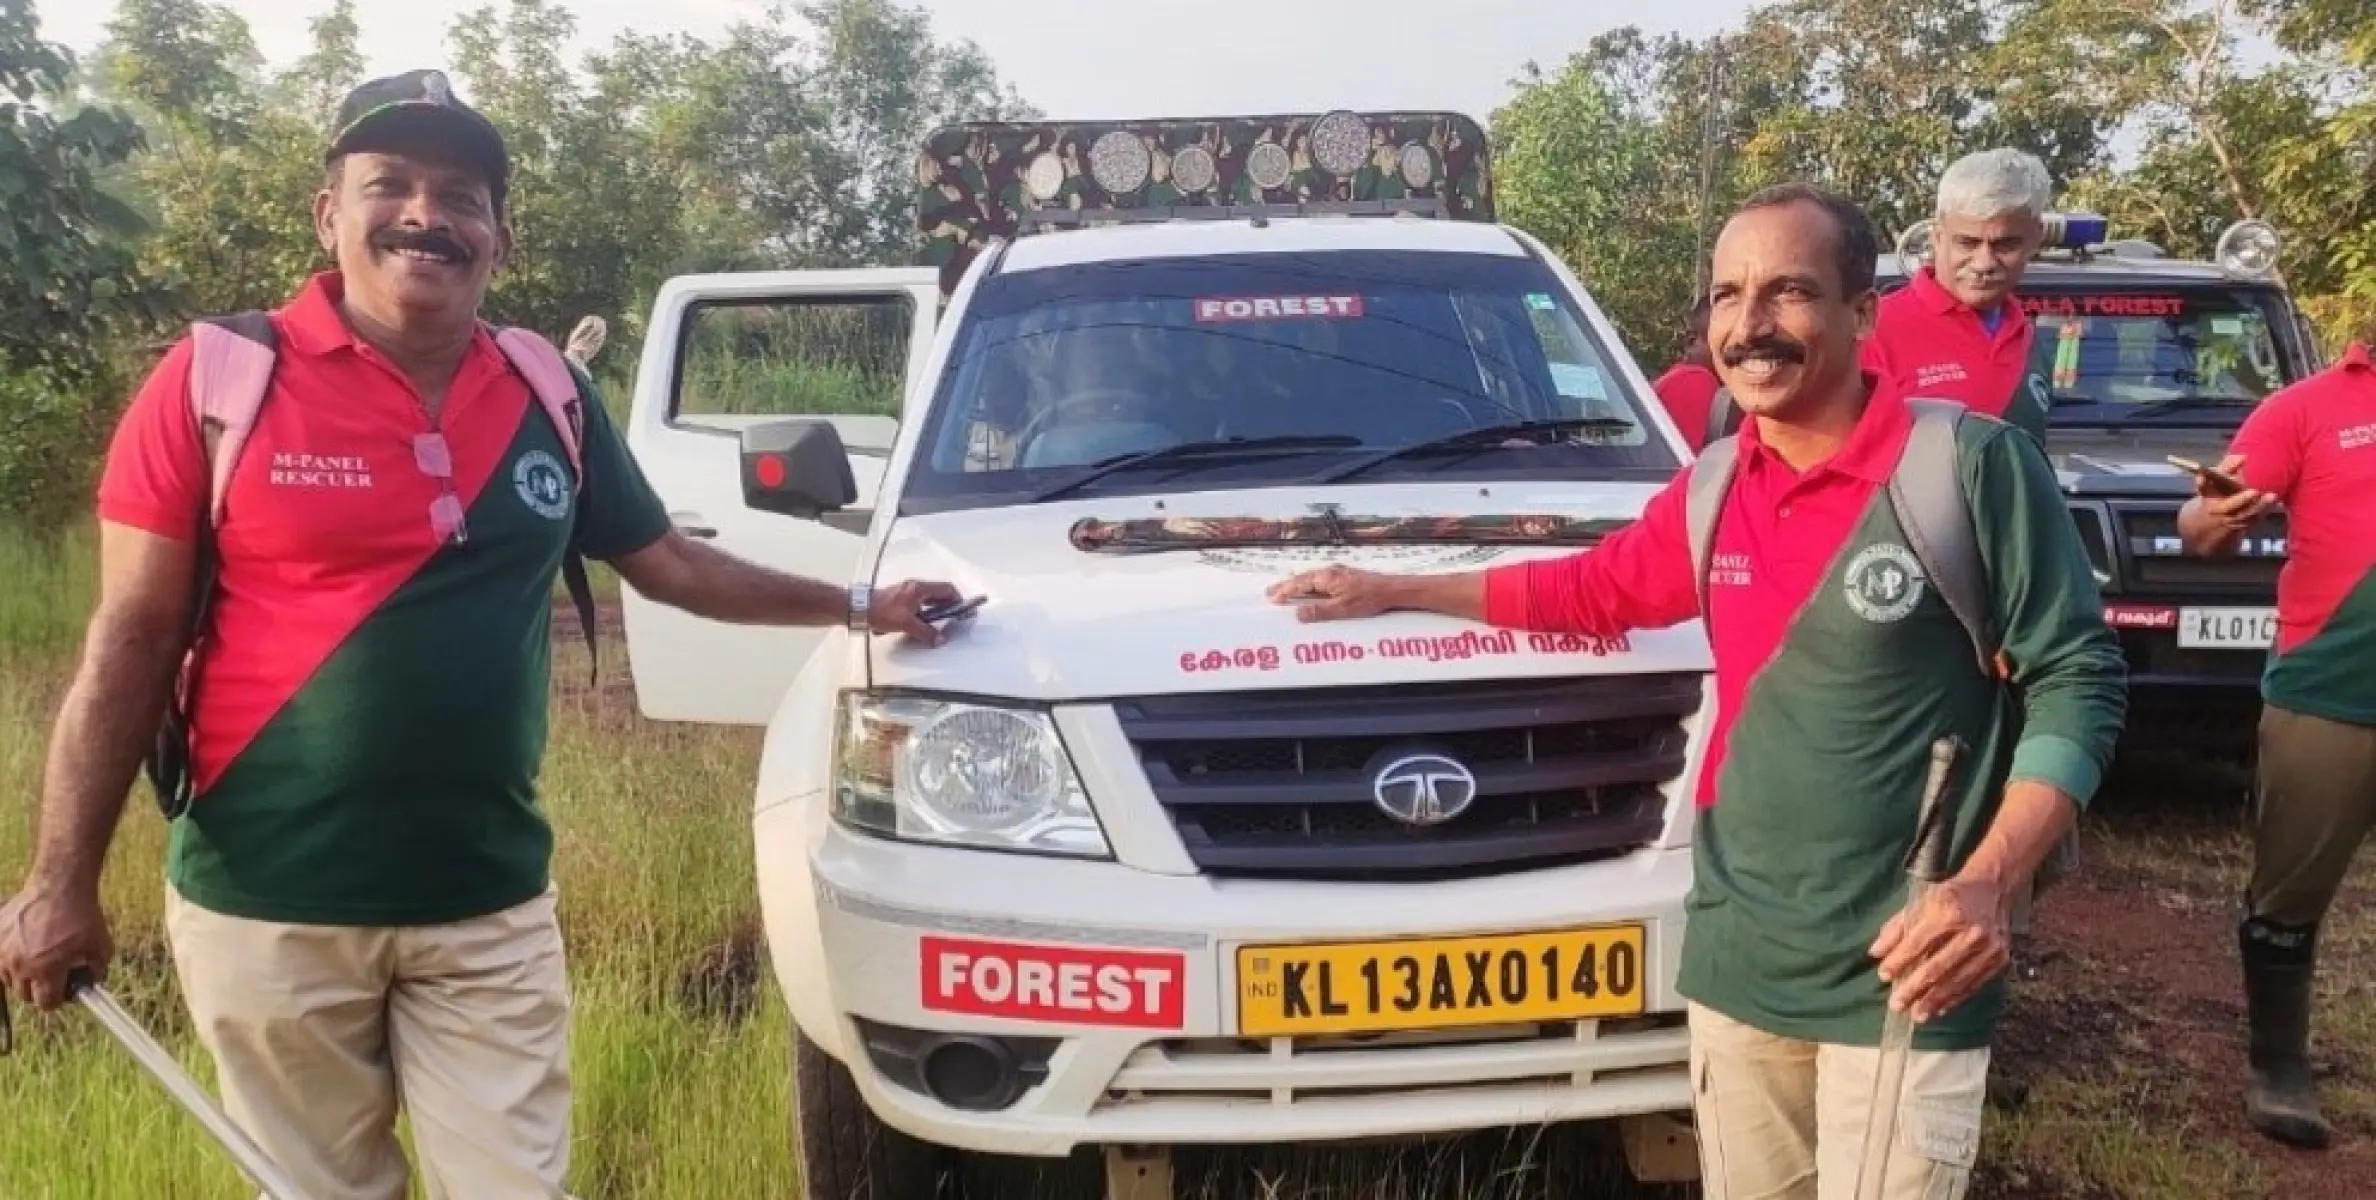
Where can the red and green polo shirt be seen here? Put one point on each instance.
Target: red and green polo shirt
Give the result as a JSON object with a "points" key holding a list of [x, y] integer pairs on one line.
{"points": [[1835, 669], [374, 712], [1928, 343], [2312, 445]]}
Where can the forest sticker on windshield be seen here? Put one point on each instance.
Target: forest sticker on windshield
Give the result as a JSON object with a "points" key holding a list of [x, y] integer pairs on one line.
{"points": [[2109, 304], [1276, 308]]}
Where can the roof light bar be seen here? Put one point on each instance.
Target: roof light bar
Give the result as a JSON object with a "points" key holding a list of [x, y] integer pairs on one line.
{"points": [[978, 182]]}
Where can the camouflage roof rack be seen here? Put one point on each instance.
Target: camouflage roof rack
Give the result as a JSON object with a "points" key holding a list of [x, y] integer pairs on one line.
{"points": [[983, 181]]}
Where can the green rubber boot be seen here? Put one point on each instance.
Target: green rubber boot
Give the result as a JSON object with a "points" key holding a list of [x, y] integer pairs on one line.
{"points": [[2279, 964]]}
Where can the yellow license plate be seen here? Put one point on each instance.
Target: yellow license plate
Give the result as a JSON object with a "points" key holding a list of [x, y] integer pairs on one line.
{"points": [[1432, 983]]}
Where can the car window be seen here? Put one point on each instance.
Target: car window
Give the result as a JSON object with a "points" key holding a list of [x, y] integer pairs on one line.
{"points": [[743, 361], [1056, 370]]}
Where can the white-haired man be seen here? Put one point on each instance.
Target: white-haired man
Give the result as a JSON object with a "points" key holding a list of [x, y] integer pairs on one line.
{"points": [[1956, 332]]}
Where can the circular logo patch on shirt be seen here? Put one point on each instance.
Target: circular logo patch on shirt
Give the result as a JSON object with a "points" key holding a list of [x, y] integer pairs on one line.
{"points": [[1884, 582], [542, 484]]}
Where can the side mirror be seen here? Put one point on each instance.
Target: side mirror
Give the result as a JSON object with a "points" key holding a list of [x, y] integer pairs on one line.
{"points": [[798, 468]]}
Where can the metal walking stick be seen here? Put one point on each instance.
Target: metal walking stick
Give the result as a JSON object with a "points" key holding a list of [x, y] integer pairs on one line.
{"points": [[1926, 866], [258, 1166]]}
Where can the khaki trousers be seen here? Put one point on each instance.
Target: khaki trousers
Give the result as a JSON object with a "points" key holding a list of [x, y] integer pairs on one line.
{"points": [[1781, 1119], [2317, 801], [319, 1032]]}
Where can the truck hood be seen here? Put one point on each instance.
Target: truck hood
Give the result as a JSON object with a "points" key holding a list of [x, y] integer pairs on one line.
{"points": [[2091, 461], [1064, 623]]}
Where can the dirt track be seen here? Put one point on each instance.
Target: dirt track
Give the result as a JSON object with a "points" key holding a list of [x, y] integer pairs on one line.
{"points": [[2137, 994]]}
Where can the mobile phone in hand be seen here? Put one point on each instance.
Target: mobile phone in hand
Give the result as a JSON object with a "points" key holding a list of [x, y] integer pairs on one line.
{"points": [[2222, 483], [934, 614]]}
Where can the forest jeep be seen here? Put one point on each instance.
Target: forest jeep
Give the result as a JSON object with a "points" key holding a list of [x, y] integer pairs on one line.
{"points": [[2145, 356], [1136, 860]]}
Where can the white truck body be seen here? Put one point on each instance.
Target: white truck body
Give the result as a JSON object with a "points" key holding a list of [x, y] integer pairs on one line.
{"points": [[1130, 962]]}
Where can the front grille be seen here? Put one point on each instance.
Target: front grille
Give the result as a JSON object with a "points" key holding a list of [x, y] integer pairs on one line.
{"points": [[1288, 1071], [1280, 784], [2159, 562]]}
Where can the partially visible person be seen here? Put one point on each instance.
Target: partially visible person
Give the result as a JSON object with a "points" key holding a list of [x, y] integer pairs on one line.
{"points": [[1688, 388], [1956, 331], [2311, 448], [359, 901], [1836, 669]]}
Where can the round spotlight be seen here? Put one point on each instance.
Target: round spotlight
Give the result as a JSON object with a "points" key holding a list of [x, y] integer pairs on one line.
{"points": [[1120, 163], [2249, 247], [1045, 176], [1417, 163], [1913, 247], [1269, 167], [1193, 169], [1340, 142]]}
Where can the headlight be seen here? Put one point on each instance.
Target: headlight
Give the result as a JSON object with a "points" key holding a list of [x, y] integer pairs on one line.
{"points": [[941, 771]]}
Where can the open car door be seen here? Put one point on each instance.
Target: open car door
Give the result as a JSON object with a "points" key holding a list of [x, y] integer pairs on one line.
{"points": [[726, 353]]}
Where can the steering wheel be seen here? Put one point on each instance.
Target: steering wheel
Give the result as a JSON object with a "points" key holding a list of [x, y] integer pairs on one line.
{"points": [[1065, 403]]}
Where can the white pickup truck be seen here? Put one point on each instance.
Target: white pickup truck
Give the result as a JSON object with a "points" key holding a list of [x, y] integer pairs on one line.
{"points": [[1137, 860]]}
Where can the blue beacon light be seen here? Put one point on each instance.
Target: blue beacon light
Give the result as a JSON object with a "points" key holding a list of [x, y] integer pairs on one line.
{"points": [[2076, 231]]}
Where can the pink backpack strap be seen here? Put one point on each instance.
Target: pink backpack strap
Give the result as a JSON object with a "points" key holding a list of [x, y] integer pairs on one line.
{"points": [[550, 378], [230, 372]]}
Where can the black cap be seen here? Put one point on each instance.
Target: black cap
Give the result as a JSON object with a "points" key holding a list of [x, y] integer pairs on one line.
{"points": [[422, 101]]}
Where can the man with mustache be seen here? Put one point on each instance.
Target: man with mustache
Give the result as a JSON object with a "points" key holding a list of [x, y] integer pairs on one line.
{"points": [[1956, 331], [1836, 667], [360, 904]]}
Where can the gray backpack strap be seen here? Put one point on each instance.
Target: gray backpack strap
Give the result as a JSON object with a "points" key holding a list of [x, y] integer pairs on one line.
{"points": [[1928, 493], [1703, 502], [1721, 412]]}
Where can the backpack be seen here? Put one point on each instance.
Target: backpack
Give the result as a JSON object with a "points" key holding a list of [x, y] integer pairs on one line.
{"points": [[231, 365], [1926, 489]]}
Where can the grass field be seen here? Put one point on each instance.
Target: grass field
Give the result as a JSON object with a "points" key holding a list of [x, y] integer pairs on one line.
{"points": [[680, 1057], [2129, 1037]]}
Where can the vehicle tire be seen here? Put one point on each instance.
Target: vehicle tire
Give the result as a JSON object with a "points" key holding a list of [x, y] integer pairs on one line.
{"points": [[846, 1152]]}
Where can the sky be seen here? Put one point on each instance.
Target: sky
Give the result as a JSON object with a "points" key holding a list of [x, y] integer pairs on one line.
{"points": [[1086, 59]]}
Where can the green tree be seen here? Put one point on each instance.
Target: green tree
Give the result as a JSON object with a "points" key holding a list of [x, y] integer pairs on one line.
{"points": [[1577, 169], [230, 175], [2292, 143], [74, 285], [590, 204], [882, 82]]}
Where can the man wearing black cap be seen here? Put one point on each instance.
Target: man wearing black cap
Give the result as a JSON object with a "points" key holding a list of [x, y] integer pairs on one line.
{"points": [[361, 911]]}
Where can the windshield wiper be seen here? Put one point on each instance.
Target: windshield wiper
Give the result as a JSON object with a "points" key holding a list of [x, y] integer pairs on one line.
{"points": [[2186, 404], [1209, 448], [1483, 435]]}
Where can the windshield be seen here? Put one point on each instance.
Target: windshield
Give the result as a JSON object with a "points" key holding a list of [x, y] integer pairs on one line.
{"points": [[1350, 352], [2158, 354]]}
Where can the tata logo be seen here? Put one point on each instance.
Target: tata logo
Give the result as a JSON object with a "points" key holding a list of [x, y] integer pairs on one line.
{"points": [[1424, 789]]}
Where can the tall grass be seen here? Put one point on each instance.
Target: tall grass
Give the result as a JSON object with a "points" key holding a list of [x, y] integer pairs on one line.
{"points": [[790, 359], [679, 1048]]}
